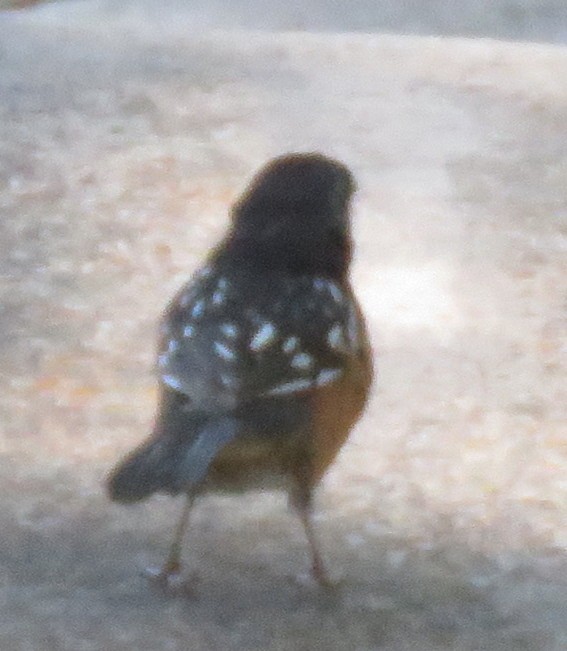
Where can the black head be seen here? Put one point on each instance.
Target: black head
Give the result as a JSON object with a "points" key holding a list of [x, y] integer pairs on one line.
{"points": [[295, 216]]}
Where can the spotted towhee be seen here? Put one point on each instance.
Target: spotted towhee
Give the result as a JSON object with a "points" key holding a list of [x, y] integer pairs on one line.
{"points": [[264, 362]]}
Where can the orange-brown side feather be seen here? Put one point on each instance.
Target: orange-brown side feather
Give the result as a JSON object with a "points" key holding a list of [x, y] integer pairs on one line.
{"points": [[337, 408]]}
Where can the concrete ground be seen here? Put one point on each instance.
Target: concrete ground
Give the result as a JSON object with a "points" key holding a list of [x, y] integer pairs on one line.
{"points": [[121, 145]]}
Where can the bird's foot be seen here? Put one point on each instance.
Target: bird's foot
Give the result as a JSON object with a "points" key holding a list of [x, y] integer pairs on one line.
{"points": [[170, 580], [320, 579]]}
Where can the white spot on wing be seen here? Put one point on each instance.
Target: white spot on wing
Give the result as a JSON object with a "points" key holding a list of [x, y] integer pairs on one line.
{"points": [[229, 330], [302, 361], [336, 293], [263, 337], [290, 344], [228, 380], [336, 337], [319, 284], [171, 381], [198, 309], [172, 346], [328, 375], [185, 299], [163, 359], [223, 351], [188, 330], [290, 387], [220, 292]]}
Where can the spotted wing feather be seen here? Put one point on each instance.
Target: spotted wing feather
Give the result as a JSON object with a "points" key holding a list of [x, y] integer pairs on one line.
{"points": [[226, 344]]}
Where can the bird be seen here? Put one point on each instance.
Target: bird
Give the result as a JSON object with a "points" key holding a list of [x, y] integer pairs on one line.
{"points": [[264, 362]]}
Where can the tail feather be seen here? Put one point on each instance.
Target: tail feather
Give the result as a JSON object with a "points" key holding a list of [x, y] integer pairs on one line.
{"points": [[148, 469], [169, 465]]}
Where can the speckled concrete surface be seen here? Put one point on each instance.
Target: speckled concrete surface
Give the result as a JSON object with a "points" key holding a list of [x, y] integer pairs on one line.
{"points": [[121, 146]]}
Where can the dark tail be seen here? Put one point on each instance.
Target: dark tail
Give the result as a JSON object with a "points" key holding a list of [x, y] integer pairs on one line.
{"points": [[169, 464], [149, 469]]}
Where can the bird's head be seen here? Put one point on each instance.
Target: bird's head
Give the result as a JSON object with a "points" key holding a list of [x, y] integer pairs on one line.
{"points": [[295, 215]]}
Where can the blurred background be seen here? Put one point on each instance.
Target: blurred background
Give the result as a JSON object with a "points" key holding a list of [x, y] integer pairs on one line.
{"points": [[524, 20], [127, 129]]}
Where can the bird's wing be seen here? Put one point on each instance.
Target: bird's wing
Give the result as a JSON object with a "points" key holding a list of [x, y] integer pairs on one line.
{"points": [[229, 341]]}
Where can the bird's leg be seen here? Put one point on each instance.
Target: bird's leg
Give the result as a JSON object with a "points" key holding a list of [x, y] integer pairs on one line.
{"points": [[318, 569], [169, 576], [173, 563], [300, 499]]}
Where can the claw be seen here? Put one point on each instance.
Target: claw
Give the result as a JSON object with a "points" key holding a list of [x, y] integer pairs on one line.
{"points": [[170, 580]]}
